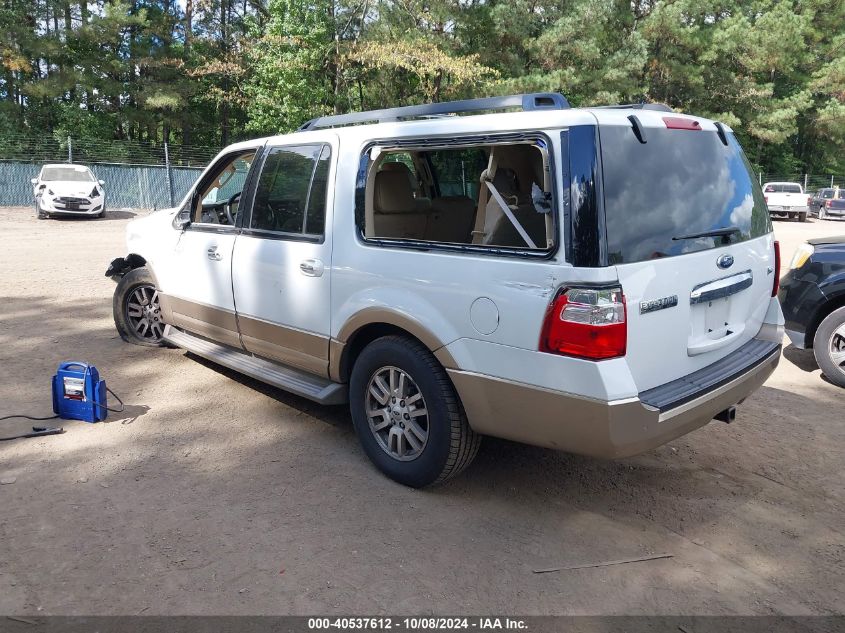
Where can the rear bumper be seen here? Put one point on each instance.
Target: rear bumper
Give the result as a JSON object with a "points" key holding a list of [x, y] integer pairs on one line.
{"points": [[621, 428], [780, 210]]}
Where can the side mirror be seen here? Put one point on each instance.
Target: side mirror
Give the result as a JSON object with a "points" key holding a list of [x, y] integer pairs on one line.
{"points": [[34, 181], [102, 182], [181, 221]]}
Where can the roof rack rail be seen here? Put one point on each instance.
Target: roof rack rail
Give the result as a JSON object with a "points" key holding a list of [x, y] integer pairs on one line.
{"points": [[660, 107], [525, 102]]}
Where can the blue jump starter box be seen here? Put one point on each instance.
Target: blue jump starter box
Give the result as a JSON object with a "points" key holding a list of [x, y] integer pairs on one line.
{"points": [[78, 392]]}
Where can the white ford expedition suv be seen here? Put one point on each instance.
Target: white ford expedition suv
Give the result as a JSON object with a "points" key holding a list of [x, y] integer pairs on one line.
{"points": [[541, 275]]}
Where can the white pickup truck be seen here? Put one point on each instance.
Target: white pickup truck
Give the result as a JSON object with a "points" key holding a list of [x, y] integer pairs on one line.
{"points": [[786, 199]]}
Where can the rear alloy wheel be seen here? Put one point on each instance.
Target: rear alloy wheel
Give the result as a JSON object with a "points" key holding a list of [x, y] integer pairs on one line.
{"points": [[821, 212], [829, 347], [136, 308], [407, 415], [397, 415]]}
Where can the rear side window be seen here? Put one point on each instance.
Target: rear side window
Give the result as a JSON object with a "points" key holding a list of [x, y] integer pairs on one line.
{"points": [[290, 196], [660, 194]]}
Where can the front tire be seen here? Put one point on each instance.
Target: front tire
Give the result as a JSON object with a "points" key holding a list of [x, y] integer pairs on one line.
{"points": [[407, 415], [38, 212], [829, 347], [136, 309]]}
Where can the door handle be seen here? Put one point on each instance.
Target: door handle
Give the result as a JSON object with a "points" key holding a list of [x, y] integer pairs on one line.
{"points": [[213, 254], [312, 268]]}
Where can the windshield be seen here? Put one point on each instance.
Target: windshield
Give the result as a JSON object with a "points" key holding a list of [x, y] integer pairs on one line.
{"points": [[660, 196], [67, 174]]}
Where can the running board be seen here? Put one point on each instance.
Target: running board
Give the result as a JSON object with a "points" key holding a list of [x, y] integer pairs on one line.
{"points": [[303, 384]]}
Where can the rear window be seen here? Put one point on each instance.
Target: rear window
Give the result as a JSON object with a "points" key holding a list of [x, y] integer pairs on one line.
{"points": [[781, 188], [661, 194]]}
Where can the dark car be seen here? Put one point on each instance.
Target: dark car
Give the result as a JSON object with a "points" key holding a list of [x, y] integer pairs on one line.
{"points": [[812, 295], [828, 202]]}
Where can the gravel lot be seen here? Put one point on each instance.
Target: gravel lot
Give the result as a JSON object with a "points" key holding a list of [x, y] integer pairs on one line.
{"points": [[215, 494]]}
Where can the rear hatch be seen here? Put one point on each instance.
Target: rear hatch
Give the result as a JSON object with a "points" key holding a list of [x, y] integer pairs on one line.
{"points": [[689, 233]]}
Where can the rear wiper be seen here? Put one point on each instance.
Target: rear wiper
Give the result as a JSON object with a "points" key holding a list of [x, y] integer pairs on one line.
{"points": [[725, 232]]}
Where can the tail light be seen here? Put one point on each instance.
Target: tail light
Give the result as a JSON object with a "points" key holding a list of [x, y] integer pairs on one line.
{"points": [[809, 201], [828, 203], [587, 323], [776, 283], [766, 199]]}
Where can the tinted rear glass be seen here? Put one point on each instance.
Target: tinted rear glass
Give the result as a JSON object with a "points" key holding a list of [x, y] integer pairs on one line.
{"points": [[679, 183]]}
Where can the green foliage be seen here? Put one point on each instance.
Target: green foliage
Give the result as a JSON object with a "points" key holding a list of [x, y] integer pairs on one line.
{"points": [[289, 64], [148, 71]]}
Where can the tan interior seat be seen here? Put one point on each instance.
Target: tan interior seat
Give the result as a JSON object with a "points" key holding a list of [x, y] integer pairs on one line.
{"points": [[396, 212], [503, 232], [451, 220]]}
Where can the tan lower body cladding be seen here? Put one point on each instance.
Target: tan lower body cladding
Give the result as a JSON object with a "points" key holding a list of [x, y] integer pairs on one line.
{"points": [[563, 421], [268, 340]]}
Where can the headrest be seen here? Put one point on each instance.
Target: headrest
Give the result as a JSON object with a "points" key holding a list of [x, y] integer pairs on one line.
{"points": [[392, 192], [505, 181]]}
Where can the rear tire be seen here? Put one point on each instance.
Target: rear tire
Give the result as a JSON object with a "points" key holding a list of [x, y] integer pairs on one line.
{"points": [[829, 347], [802, 217], [821, 213], [407, 415], [137, 313]]}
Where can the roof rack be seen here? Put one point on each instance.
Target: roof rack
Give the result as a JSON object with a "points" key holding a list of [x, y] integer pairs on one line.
{"points": [[526, 102], [660, 107]]}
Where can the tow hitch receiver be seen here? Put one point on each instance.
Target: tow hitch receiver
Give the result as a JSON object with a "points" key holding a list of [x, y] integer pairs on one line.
{"points": [[728, 415]]}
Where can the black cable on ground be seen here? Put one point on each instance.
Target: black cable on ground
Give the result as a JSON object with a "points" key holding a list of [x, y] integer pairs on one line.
{"points": [[30, 417]]}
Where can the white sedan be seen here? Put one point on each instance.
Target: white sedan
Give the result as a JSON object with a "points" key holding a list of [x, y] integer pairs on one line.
{"points": [[68, 190]]}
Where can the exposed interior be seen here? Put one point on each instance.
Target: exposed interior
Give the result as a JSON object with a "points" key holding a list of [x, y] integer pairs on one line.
{"points": [[218, 195], [491, 195]]}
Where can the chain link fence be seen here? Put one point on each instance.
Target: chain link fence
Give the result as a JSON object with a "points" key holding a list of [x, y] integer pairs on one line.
{"points": [[810, 182], [136, 175], [127, 186]]}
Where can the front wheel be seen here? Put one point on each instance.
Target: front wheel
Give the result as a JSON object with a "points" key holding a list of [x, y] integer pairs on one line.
{"points": [[407, 415], [136, 308], [829, 347]]}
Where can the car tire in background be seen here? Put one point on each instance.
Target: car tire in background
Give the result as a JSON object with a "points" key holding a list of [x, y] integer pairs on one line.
{"points": [[137, 313], [38, 212], [407, 414], [829, 346], [821, 212]]}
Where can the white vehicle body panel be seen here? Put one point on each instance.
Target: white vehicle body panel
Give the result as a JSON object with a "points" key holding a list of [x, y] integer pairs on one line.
{"points": [[485, 310]]}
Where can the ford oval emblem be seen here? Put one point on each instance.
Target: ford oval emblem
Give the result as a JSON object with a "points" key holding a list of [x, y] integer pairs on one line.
{"points": [[725, 261]]}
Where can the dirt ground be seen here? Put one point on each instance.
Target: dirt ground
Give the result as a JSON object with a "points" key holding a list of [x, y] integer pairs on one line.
{"points": [[214, 494]]}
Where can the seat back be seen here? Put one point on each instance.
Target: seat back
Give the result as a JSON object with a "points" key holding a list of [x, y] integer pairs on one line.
{"points": [[396, 212]]}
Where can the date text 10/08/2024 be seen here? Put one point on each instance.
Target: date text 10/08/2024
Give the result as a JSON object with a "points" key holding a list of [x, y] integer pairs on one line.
{"points": [[418, 623]]}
